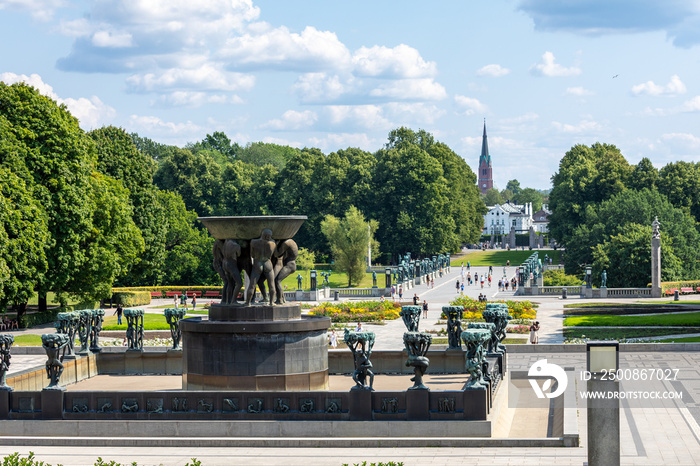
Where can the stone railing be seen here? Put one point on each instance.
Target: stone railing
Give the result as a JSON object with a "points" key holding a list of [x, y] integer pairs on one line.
{"points": [[550, 290], [629, 292]]}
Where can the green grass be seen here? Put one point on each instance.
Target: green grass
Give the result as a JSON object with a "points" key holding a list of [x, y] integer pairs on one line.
{"points": [[679, 320], [619, 333], [499, 258], [681, 340], [28, 340], [150, 322], [671, 302]]}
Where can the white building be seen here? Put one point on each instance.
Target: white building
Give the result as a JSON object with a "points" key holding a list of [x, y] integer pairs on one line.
{"points": [[500, 218], [540, 219]]}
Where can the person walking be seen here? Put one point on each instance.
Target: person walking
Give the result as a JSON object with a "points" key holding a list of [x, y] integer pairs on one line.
{"points": [[462, 288], [481, 280], [457, 286], [425, 309], [400, 291], [415, 299], [534, 335], [119, 313], [194, 301], [333, 339], [183, 300]]}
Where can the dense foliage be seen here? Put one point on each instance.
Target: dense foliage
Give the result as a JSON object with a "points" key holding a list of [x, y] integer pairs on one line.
{"points": [[603, 207], [82, 212]]}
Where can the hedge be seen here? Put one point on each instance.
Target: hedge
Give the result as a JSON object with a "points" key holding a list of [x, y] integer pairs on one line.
{"points": [[162, 289], [678, 285], [131, 298]]}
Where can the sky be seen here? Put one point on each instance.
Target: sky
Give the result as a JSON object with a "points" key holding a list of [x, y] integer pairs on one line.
{"points": [[543, 74]]}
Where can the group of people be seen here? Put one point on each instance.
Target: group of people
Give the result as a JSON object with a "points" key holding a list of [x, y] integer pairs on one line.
{"points": [[182, 300]]}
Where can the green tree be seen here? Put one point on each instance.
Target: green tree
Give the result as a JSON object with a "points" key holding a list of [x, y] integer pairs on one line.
{"points": [[114, 243], [23, 235], [59, 165], [586, 176], [680, 183], [530, 195], [188, 249], [349, 239], [618, 216], [412, 203], [492, 197], [263, 153], [119, 158], [513, 186], [644, 175], [195, 176], [627, 259]]}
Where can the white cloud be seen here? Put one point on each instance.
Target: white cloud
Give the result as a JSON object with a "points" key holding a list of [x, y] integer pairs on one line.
{"points": [[578, 91], [470, 105], [196, 99], [155, 125], [401, 61], [112, 39], [42, 10], [90, 112], [495, 71], [206, 77], [414, 113], [320, 87], [674, 87], [279, 48], [685, 140], [410, 89], [692, 105], [292, 120], [335, 141], [584, 126], [364, 116], [548, 68], [33, 80]]}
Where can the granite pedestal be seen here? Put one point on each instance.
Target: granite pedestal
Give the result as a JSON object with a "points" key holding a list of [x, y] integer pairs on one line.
{"points": [[258, 347]]}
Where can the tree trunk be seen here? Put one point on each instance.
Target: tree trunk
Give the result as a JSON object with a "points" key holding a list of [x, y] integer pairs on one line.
{"points": [[42, 302], [21, 311]]}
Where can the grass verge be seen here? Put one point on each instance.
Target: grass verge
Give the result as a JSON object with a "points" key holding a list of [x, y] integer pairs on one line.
{"points": [[676, 320], [499, 258], [620, 333]]}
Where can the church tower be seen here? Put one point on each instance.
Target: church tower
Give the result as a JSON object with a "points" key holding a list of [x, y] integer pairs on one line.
{"points": [[485, 176]]}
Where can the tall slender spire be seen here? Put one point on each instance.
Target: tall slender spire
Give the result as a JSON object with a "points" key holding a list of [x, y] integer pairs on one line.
{"points": [[485, 145], [485, 175]]}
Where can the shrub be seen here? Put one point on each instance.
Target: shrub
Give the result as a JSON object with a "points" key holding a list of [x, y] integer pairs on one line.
{"points": [[131, 298], [559, 278]]}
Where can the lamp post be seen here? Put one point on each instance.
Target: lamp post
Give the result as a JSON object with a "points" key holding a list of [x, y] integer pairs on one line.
{"points": [[603, 359], [589, 282]]}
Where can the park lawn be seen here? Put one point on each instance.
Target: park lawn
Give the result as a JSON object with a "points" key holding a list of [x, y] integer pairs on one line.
{"points": [[498, 258], [620, 333], [27, 340], [150, 322], [678, 320], [680, 340]]}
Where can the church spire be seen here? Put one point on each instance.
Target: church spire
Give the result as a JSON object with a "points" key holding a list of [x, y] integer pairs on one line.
{"points": [[485, 175], [485, 146]]}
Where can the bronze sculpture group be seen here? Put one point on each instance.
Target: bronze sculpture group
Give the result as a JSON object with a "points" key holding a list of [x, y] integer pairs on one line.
{"points": [[263, 260]]}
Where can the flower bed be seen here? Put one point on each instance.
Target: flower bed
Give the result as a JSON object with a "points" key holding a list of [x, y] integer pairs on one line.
{"points": [[474, 310], [358, 311]]}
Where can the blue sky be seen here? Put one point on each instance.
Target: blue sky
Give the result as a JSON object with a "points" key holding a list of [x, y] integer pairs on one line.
{"points": [[545, 74]]}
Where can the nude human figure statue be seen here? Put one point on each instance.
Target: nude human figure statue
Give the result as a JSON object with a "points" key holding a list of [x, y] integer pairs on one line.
{"points": [[233, 283], [285, 265], [261, 251]]}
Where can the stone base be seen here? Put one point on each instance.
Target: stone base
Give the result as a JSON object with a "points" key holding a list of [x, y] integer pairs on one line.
{"points": [[274, 355], [254, 313]]}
